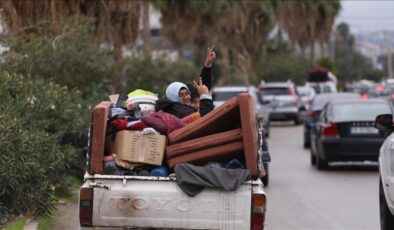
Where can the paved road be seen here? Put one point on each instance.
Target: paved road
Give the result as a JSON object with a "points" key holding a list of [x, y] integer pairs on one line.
{"points": [[301, 197]]}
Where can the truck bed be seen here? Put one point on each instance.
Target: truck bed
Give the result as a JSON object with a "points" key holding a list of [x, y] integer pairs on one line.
{"points": [[158, 202]]}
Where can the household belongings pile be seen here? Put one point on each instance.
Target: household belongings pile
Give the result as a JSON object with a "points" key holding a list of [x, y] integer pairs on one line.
{"points": [[128, 137]]}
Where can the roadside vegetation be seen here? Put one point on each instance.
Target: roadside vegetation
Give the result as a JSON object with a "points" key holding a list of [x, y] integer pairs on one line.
{"points": [[60, 62]]}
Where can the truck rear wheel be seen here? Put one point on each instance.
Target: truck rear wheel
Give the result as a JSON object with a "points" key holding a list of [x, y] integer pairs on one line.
{"points": [[320, 163], [265, 179]]}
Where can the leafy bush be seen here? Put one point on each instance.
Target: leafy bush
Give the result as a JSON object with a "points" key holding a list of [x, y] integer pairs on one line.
{"points": [[48, 84], [69, 56], [37, 117]]}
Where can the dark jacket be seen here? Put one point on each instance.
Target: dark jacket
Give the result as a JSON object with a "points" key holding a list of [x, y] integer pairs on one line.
{"points": [[181, 110]]}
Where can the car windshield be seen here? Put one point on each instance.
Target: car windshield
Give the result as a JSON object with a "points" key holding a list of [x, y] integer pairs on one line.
{"points": [[321, 88], [359, 111], [224, 96], [275, 91]]}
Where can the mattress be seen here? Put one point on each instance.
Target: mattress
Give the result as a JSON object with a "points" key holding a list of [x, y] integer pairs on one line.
{"points": [[203, 143], [99, 119]]}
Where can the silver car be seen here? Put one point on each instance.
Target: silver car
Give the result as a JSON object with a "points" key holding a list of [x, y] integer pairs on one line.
{"points": [[283, 100]]}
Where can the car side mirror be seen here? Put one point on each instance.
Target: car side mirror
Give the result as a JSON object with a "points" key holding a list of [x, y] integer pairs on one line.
{"points": [[384, 122]]}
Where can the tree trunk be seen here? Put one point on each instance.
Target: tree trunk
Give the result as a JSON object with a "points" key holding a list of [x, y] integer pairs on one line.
{"points": [[293, 49], [225, 62], [146, 27], [322, 54], [243, 62], [121, 81], [312, 54]]}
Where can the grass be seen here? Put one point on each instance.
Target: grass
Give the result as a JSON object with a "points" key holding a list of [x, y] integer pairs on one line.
{"points": [[18, 224], [75, 185], [47, 222]]}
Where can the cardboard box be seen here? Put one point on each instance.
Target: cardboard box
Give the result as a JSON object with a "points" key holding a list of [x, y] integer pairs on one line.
{"points": [[136, 147]]}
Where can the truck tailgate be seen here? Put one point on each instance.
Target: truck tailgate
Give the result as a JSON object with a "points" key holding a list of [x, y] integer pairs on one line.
{"points": [[162, 204]]}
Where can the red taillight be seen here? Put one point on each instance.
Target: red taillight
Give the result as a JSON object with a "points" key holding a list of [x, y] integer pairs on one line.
{"points": [[258, 211], [291, 91], [257, 221], [85, 207], [312, 114], [392, 96], [364, 96], [330, 130]]}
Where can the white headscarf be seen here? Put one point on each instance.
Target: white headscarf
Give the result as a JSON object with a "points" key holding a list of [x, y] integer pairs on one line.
{"points": [[172, 92]]}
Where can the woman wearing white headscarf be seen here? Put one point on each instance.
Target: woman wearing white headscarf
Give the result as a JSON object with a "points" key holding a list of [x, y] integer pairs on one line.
{"points": [[177, 100]]}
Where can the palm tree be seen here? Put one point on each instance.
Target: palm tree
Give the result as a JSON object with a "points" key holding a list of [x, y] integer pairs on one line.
{"points": [[116, 21], [328, 10], [244, 30], [308, 22]]}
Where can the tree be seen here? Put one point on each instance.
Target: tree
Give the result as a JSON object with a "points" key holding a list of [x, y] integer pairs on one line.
{"points": [[308, 22], [328, 10], [116, 21], [251, 22]]}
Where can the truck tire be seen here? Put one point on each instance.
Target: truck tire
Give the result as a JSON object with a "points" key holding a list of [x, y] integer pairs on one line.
{"points": [[386, 218], [320, 163], [265, 179], [313, 159], [297, 120]]}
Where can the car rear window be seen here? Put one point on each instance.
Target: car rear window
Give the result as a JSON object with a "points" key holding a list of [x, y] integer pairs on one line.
{"points": [[275, 91], [224, 96], [304, 92], [359, 111]]}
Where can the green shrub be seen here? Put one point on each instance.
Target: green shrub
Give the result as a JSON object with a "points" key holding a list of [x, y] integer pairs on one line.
{"points": [[70, 56], [36, 121]]}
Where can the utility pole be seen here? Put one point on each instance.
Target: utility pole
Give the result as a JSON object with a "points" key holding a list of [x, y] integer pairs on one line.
{"points": [[389, 58]]}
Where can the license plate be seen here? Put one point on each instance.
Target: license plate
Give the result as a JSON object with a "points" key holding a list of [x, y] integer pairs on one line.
{"points": [[364, 130]]}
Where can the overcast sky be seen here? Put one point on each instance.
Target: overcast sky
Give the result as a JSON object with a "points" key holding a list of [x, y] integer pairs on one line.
{"points": [[366, 15]]}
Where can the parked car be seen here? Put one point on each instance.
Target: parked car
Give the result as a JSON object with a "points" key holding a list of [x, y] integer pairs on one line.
{"points": [[345, 131], [307, 94], [283, 100], [384, 123], [313, 112], [221, 94]]}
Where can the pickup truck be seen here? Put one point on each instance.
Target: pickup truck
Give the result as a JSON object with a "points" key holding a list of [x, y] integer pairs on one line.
{"points": [[156, 202]]}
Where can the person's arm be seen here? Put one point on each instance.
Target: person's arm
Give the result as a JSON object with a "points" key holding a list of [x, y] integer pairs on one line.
{"points": [[206, 104], [206, 70]]}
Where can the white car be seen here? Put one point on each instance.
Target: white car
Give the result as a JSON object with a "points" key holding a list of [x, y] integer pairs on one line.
{"points": [[384, 123], [307, 94]]}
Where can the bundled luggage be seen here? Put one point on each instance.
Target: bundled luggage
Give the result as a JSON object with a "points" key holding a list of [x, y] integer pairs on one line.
{"points": [[128, 137]]}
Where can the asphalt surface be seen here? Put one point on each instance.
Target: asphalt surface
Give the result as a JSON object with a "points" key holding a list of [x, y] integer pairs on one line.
{"points": [[301, 197]]}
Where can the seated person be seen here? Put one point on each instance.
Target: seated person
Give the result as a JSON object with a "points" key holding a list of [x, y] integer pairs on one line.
{"points": [[177, 100]]}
